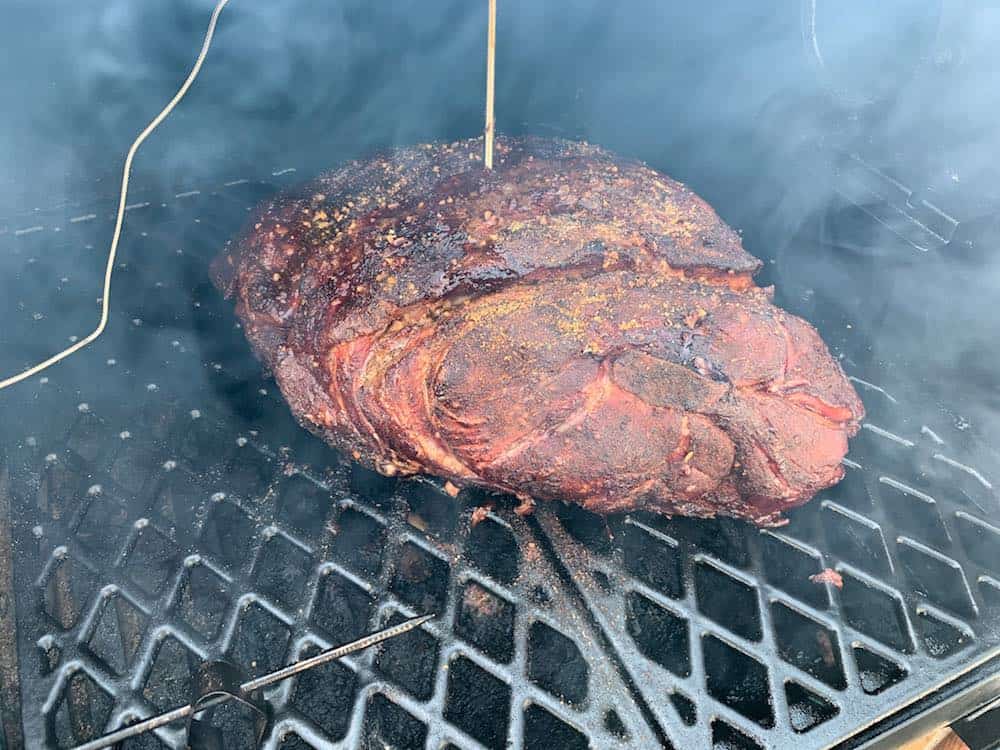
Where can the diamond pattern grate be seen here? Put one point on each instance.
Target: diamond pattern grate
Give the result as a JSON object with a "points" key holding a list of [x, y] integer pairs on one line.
{"points": [[168, 510]]}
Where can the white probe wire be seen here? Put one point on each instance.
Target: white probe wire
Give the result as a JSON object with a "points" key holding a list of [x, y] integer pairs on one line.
{"points": [[120, 218]]}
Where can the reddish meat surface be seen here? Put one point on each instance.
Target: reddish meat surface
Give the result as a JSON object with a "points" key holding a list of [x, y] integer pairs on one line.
{"points": [[569, 326]]}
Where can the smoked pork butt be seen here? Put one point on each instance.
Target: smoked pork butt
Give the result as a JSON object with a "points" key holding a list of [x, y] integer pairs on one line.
{"points": [[571, 325]]}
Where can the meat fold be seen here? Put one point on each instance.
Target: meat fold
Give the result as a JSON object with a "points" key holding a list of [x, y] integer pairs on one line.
{"points": [[570, 325]]}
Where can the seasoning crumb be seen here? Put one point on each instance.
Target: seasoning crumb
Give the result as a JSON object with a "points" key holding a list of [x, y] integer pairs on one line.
{"points": [[828, 575], [479, 515], [526, 507], [692, 319], [826, 648], [479, 602], [416, 521], [451, 489]]}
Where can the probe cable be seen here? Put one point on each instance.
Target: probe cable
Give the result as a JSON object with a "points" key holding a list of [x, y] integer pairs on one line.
{"points": [[120, 217]]}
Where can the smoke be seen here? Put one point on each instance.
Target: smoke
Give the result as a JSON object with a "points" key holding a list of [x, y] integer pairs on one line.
{"points": [[747, 102]]}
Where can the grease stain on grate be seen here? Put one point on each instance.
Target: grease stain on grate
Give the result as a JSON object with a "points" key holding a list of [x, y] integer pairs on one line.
{"points": [[421, 579], [485, 620]]}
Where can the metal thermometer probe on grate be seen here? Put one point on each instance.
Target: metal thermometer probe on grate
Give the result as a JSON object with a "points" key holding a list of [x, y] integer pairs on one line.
{"points": [[218, 696]]}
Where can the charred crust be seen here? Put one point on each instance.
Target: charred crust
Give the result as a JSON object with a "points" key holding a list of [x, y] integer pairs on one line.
{"points": [[356, 287]]}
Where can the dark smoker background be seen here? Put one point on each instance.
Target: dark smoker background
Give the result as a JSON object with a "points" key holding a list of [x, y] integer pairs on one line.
{"points": [[726, 95]]}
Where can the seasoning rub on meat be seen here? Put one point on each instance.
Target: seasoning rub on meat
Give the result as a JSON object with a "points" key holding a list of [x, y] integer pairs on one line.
{"points": [[569, 325]]}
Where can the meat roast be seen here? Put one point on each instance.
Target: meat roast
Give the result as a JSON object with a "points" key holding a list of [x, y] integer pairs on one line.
{"points": [[571, 325]]}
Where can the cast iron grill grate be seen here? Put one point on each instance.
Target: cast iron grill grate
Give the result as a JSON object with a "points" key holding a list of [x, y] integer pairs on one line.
{"points": [[166, 510]]}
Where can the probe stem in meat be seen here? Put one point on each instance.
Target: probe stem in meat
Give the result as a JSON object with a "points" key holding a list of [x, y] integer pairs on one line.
{"points": [[491, 55]]}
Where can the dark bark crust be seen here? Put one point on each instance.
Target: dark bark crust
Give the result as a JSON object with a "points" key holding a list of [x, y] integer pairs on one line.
{"points": [[568, 326]]}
